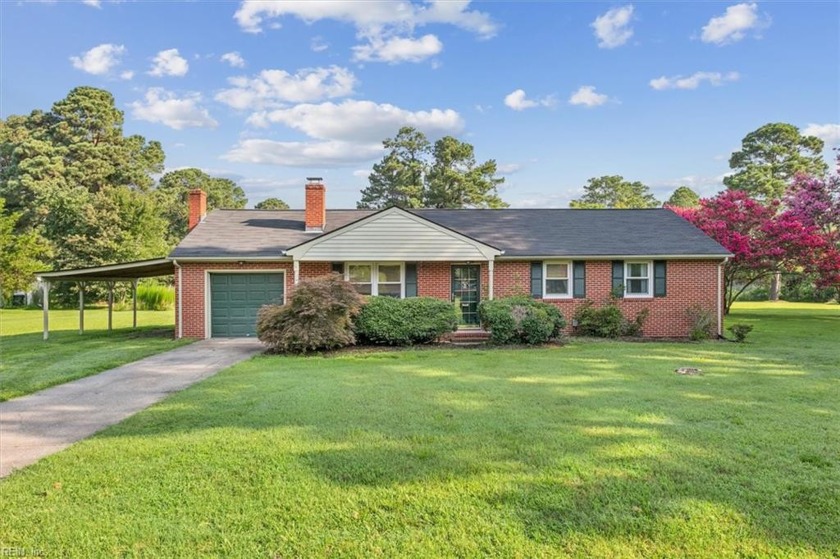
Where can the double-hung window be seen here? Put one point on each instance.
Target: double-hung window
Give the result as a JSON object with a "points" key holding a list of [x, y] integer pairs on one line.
{"points": [[384, 279], [637, 279], [558, 278]]}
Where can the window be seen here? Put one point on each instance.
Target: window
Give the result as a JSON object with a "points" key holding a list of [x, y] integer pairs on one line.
{"points": [[376, 279], [637, 281], [361, 276], [557, 279], [389, 280]]}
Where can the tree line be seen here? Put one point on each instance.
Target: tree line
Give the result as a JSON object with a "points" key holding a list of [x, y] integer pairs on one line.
{"points": [[75, 192]]}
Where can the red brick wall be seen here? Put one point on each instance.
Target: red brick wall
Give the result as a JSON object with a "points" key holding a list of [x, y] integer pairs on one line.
{"points": [[689, 282]]}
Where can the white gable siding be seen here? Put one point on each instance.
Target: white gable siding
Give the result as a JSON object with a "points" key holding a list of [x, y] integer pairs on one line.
{"points": [[394, 237]]}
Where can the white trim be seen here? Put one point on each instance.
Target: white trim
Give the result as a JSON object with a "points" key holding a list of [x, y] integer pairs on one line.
{"points": [[208, 307], [299, 252], [374, 275], [649, 278], [490, 273], [569, 279]]}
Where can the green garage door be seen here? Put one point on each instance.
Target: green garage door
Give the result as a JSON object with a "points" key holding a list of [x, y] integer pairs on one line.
{"points": [[236, 298]]}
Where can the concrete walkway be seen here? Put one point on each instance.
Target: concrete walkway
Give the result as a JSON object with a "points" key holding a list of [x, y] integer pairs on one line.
{"points": [[40, 424]]}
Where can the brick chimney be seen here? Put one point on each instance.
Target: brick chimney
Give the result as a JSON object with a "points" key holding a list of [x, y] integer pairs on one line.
{"points": [[316, 204], [198, 207]]}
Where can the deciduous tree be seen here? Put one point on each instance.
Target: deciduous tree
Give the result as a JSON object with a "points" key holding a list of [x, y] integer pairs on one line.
{"points": [[615, 192], [21, 254], [272, 204], [683, 197]]}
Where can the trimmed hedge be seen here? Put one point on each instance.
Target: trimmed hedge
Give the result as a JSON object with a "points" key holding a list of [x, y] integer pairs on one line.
{"points": [[520, 320], [416, 320], [318, 316]]}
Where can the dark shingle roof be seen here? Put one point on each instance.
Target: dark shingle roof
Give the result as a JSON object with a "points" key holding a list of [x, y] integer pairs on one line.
{"points": [[519, 232]]}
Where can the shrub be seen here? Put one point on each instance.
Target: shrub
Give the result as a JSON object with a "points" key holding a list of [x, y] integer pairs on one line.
{"points": [[155, 297], [520, 319], [417, 320], [740, 331], [318, 316], [607, 321], [702, 322]]}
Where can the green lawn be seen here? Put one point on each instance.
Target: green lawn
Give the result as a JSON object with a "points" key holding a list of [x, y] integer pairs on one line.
{"points": [[594, 449], [29, 364]]}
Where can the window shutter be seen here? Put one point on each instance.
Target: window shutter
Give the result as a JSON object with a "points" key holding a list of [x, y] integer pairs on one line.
{"points": [[659, 273], [617, 276], [536, 280], [338, 268], [579, 279], [411, 279]]}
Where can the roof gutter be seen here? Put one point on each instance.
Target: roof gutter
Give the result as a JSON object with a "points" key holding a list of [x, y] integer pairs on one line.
{"points": [[617, 257]]}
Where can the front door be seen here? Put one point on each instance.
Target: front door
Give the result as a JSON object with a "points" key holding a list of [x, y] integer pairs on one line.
{"points": [[465, 291]]}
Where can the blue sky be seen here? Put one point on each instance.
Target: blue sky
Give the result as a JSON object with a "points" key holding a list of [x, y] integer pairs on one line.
{"points": [[268, 93]]}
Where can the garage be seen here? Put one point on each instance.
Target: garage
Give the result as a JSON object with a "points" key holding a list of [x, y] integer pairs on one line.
{"points": [[236, 298]]}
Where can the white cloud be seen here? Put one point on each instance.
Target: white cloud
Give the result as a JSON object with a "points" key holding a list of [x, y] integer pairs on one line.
{"points": [[271, 88], [613, 28], [398, 49], [92, 3], [318, 44], [693, 81], [127, 75], [362, 173], [234, 59], [166, 108], [508, 168], [169, 63], [518, 101], [99, 60], [586, 96], [829, 133], [359, 121], [733, 25], [303, 154], [369, 18]]}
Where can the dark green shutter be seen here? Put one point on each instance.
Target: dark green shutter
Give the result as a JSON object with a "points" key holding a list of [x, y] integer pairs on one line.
{"points": [[579, 279], [410, 279], [618, 277], [659, 278], [338, 268], [536, 280]]}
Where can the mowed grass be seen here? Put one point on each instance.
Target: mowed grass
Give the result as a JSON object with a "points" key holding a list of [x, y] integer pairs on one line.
{"points": [[28, 363], [593, 449]]}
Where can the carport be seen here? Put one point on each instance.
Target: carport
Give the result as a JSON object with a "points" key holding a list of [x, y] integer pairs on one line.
{"points": [[127, 272]]}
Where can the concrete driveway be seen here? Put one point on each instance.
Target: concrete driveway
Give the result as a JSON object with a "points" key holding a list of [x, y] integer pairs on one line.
{"points": [[40, 424]]}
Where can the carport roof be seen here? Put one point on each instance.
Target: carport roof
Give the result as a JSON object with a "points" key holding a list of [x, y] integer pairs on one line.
{"points": [[114, 272]]}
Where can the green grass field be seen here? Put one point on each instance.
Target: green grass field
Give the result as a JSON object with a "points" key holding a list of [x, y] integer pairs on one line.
{"points": [[30, 364], [593, 449]]}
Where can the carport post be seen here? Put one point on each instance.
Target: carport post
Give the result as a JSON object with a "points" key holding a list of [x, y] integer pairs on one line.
{"points": [[81, 307], [134, 296], [46, 306], [110, 304]]}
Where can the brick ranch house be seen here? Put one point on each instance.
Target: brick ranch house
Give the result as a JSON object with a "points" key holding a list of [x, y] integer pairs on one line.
{"points": [[233, 261]]}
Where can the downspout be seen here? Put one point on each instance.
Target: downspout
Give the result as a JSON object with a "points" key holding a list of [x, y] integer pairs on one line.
{"points": [[180, 302]]}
